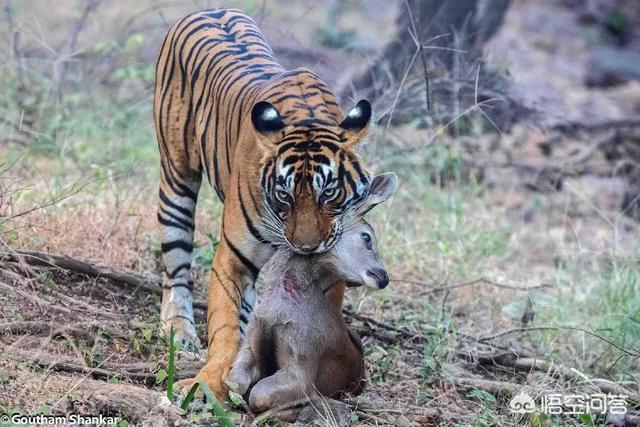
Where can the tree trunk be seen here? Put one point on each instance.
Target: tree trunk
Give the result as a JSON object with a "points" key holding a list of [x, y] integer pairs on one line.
{"points": [[452, 34]]}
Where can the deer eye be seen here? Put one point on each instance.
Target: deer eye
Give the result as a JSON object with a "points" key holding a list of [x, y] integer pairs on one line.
{"points": [[367, 239]]}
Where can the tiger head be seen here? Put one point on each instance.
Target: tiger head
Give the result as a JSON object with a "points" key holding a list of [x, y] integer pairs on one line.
{"points": [[311, 178]]}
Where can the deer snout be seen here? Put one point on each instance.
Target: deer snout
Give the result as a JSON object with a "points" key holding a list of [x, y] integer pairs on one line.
{"points": [[380, 277]]}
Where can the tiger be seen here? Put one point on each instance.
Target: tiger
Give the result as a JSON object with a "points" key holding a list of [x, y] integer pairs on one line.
{"points": [[276, 148]]}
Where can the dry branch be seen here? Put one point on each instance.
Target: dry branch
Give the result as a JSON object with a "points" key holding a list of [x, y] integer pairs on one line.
{"points": [[61, 63], [136, 281], [35, 299], [516, 330], [629, 351], [379, 410], [29, 327], [144, 372], [553, 369], [479, 280], [118, 276], [143, 406], [556, 369], [573, 127], [64, 262], [138, 405], [497, 388]]}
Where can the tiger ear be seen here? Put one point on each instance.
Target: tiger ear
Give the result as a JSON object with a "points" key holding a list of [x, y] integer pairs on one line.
{"points": [[355, 125], [267, 124], [382, 187]]}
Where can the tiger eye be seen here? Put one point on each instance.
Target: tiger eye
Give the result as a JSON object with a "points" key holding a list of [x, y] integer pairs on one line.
{"points": [[329, 192]]}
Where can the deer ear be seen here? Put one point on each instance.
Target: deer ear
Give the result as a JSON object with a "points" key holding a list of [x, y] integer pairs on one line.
{"points": [[382, 187], [267, 124], [355, 125]]}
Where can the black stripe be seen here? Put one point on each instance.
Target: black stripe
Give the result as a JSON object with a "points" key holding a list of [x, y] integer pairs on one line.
{"points": [[183, 222], [188, 286], [184, 211], [176, 244], [168, 223], [244, 260], [184, 266], [247, 220], [244, 304], [184, 317], [225, 289], [217, 13]]}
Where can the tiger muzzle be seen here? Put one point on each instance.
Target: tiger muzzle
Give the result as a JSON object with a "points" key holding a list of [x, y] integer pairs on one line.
{"points": [[307, 235]]}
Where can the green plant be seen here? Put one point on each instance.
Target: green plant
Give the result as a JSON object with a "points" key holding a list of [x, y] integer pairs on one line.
{"points": [[172, 364], [437, 348], [203, 255], [604, 300], [161, 376], [224, 417], [487, 415], [617, 22], [381, 360]]}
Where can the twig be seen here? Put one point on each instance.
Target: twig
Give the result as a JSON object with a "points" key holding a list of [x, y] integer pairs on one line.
{"points": [[423, 59], [71, 264], [572, 127], [64, 262], [36, 300], [475, 99], [516, 330], [137, 405], [628, 351], [363, 318], [138, 371], [555, 369], [61, 64], [469, 283], [74, 190], [144, 407], [28, 327], [496, 388], [402, 82]]}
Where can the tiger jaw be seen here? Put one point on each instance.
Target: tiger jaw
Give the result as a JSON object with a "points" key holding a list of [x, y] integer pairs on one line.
{"points": [[311, 250], [308, 250]]}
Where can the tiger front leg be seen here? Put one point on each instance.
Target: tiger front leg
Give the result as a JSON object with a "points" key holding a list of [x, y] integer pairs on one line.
{"points": [[229, 277], [176, 216]]}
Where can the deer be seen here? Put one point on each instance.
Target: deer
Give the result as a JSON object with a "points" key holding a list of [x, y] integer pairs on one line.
{"points": [[297, 346]]}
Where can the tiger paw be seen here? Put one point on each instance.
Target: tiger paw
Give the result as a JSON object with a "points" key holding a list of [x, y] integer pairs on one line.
{"points": [[184, 337], [214, 376], [183, 386]]}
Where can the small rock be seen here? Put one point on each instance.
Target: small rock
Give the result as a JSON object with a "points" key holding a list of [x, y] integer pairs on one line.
{"points": [[402, 421]]}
